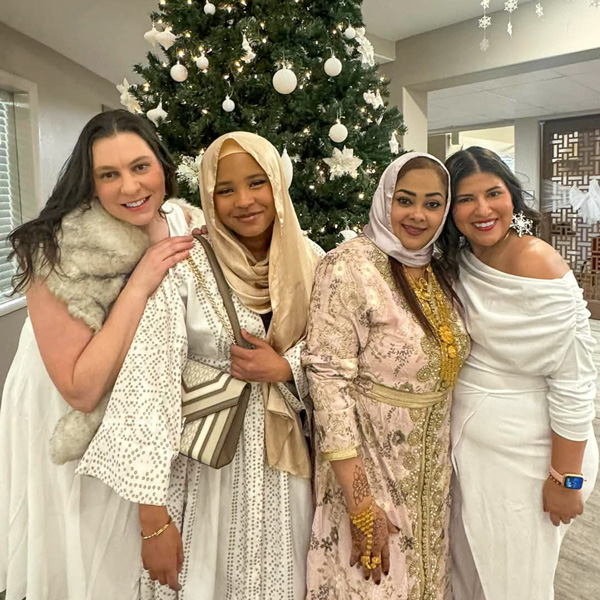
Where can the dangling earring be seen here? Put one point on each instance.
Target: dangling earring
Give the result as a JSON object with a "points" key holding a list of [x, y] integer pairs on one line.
{"points": [[462, 241], [521, 224]]}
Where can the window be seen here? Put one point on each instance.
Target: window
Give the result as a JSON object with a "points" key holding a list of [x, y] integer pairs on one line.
{"points": [[10, 197], [19, 172]]}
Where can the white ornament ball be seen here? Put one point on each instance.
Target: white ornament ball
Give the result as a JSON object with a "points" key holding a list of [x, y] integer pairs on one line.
{"points": [[202, 62], [338, 133], [166, 38], [179, 72], [157, 114], [209, 8], [285, 81], [288, 167], [228, 104], [150, 36], [333, 66], [350, 33]]}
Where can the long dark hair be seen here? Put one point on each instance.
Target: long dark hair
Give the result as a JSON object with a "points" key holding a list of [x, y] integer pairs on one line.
{"points": [[469, 162], [422, 162], [35, 242]]}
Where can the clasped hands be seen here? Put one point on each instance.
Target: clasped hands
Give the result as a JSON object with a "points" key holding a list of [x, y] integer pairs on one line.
{"points": [[259, 364]]}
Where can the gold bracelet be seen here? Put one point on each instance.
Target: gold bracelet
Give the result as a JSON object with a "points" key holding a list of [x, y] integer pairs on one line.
{"points": [[158, 531], [364, 521]]}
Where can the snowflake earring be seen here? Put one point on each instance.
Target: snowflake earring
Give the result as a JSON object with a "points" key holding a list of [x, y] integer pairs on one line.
{"points": [[521, 224]]}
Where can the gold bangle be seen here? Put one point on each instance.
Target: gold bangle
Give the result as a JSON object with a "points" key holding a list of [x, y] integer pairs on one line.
{"points": [[158, 531]]}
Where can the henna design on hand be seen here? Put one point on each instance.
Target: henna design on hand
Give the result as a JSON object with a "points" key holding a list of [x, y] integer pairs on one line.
{"points": [[360, 486]]}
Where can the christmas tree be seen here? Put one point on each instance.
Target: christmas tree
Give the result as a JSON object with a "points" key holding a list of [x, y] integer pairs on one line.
{"points": [[301, 73]]}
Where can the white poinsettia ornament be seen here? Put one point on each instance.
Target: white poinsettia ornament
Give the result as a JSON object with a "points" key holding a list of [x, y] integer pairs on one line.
{"points": [[365, 48], [374, 99], [128, 100], [249, 55], [189, 170], [343, 162]]}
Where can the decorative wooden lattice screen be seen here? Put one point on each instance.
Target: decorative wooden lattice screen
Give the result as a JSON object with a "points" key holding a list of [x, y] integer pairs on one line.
{"points": [[571, 156]]}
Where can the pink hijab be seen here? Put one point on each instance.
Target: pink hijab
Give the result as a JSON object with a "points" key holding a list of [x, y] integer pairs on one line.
{"points": [[379, 229]]}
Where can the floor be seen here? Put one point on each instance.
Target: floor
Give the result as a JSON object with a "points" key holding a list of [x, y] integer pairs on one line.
{"points": [[578, 573]]}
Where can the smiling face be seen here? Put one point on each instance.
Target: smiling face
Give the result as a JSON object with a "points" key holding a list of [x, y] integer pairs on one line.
{"points": [[129, 180], [482, 209], [244, 200], [418, 207]]}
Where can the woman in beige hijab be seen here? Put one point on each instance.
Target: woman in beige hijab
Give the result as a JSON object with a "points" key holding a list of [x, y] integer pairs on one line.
{"points": [[245, 527]]}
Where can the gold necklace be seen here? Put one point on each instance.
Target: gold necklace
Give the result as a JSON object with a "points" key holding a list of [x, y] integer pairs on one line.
{"points": [[435, 307]]}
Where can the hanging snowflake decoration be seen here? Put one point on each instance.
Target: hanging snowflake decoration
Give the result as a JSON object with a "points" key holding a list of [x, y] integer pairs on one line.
{"points": [[189, 170], [128, 100], [539, 10], [365, 48], [485, 22], [249, 55], [343, 163], [374, 99], [510, 6]]}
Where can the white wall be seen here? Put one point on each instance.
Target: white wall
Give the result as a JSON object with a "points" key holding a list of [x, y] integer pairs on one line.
{"points": [[68, 96]]}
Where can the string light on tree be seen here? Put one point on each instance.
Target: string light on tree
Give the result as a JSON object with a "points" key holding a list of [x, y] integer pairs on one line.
{"points": [[285, 81]]}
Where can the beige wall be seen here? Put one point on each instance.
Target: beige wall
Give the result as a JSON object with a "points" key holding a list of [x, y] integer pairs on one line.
{"points": [[68, 96]]}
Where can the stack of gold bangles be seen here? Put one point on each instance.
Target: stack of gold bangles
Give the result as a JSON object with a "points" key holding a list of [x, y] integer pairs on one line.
{"points": [[363, 521]]}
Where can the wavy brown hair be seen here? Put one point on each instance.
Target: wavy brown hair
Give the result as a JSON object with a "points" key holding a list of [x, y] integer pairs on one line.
{"points": [[35, 242]]}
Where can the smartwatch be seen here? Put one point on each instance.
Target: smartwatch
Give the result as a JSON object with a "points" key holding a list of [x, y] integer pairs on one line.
{"points": [[571, 481]]}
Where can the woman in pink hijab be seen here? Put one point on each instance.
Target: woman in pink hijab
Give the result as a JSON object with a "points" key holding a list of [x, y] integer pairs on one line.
{"points": [[385, 343]]}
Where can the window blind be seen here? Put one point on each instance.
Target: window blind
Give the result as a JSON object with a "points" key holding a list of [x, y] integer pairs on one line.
{"points": [[10, 201]]}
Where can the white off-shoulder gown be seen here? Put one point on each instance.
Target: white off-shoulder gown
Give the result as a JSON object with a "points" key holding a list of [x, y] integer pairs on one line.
{"points": [[530, 372]]}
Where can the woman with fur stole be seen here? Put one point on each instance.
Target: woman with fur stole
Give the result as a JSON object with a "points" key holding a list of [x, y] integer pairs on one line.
{"points": [[62, 535]]}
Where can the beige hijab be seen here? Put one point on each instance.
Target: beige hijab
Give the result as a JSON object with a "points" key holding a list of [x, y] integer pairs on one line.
{"points": [[281, 283]]}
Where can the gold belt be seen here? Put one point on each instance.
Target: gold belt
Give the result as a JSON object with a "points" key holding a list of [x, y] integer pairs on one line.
{"points": [[382, 393]]}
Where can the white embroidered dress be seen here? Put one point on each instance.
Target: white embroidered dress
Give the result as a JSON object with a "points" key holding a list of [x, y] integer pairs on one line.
{"points": [[530, 372], [245, 527]]}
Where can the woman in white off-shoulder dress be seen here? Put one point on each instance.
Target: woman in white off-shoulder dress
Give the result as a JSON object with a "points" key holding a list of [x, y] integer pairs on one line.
{"points": [[524, 401]]}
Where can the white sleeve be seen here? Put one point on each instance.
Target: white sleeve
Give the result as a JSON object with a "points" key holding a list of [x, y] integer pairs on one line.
{"points": [[139, 437], [572, 385]]}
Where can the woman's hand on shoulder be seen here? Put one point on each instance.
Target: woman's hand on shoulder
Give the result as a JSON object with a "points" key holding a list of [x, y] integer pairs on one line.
{"points": [[259, 364], [536, 259], [155, 263]]}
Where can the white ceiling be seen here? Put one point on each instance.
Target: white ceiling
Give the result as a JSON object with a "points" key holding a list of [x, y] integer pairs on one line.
{"points": [[568, 89], [106, 35]]}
